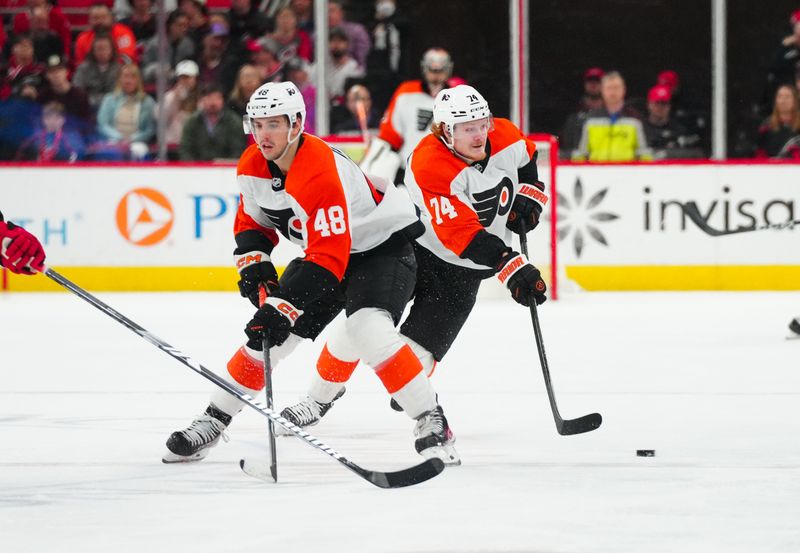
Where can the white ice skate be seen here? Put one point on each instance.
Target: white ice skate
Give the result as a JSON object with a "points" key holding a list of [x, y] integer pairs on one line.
{"points": [[435, 439], [307, 412]]}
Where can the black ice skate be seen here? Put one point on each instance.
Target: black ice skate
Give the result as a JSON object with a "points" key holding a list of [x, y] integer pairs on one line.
{"points": [[306, 413], [195, 442], [794, 326], [434, 437]]}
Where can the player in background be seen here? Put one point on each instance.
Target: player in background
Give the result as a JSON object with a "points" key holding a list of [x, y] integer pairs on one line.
{"points": [[358, 257], [475, 180], [408, 118], [20, 251]]}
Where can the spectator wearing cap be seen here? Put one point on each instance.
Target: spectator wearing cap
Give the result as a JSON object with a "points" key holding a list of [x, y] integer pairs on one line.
{"points": [[58, 88], [357, 101], [179, 47], [247, 21], [217, 61], [142, 20], [46, 42], [358, 42], [56, 22], [247, 82], [783, 63], [264, 55], [299, 72], [125, 119], [180, 102], [613, 133], [21, 65], [779, 134], [53, 141], [293, 42], [101, 21], [98, 73], [665, 136], [340, 66], [590, 100], [213, 131]]}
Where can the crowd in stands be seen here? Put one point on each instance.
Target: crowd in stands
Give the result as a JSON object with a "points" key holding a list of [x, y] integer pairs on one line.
{"points": [[90, 95]]}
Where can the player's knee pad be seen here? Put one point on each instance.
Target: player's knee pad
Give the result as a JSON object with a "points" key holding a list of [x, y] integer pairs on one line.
{"points": [[373, 335]]}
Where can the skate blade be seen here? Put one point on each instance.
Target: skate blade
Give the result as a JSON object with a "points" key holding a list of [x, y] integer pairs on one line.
{"points": [[170, 458], [446, 453]]}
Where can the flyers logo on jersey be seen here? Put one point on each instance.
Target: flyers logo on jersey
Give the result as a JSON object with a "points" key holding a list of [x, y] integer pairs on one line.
{"points": [[493, 202], [144, 216]]}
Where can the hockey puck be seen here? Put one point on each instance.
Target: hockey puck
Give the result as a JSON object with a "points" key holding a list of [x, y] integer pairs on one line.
{"points": [[645, 452]]}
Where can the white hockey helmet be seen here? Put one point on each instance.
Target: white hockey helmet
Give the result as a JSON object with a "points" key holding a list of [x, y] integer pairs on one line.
{"points": [[273, 99], [459, 105], [436, 59]]}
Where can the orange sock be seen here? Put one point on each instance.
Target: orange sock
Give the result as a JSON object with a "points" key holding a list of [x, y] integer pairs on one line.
{"points": [[245, 370], [332, 369], [399, 369]]}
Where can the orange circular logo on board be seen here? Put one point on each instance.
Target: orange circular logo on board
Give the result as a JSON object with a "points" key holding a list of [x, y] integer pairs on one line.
{"points": [[144, 216]]}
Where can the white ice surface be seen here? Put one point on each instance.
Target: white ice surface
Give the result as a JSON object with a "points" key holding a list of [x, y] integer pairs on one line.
{"points": [[708, 380]]}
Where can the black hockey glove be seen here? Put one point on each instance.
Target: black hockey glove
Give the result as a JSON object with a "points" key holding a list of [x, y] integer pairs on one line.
{"points": [[527, 207], [254, 267], [273, 320], [523, 279]]}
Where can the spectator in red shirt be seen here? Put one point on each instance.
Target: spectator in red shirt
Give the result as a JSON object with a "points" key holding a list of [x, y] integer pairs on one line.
{"points": [[102, 21], [21, 65], [294, 42], [58, 22]]}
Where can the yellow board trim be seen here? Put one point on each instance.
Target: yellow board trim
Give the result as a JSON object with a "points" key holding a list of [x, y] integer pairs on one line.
{"points": [[685, 277], [132, 279], [591, 278]]}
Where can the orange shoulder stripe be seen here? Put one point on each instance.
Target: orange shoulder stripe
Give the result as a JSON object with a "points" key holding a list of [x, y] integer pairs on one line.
{"points": [[314, 182], [506, 133], [435, 168]]}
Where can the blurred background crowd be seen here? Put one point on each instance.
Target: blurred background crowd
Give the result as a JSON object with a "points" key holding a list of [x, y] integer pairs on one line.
{"points": [[78, 78]]}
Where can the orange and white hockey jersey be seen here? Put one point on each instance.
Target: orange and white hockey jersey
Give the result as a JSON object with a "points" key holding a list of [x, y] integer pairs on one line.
{"points": [[459, 200], [408, 118], [324, 203]]}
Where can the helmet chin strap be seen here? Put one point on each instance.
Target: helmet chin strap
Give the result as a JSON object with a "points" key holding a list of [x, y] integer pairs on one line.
{"points": [[289, 141], [451, 145]]}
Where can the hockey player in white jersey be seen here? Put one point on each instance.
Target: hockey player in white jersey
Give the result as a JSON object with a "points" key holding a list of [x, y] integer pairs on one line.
{"points": [[358, 257], [408, 118], [475, 180]]}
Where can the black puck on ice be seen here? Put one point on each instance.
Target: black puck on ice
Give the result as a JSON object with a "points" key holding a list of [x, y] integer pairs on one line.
{"points": [[645, 452]]}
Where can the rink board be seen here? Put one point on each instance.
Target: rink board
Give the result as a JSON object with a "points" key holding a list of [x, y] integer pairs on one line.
{"points": [[621, 227]]}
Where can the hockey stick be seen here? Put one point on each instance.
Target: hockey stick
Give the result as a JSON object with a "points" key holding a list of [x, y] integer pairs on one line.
{"points": [[586, 423], [273, 456], [398, 479], [693, 212]]}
